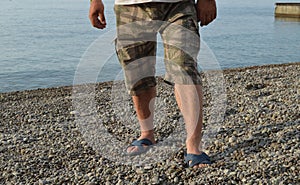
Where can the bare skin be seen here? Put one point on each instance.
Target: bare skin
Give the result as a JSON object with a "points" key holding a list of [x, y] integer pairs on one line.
{"points": [[144, 106], [189, 100], [206, 11], [188, 97], [96, 14]]}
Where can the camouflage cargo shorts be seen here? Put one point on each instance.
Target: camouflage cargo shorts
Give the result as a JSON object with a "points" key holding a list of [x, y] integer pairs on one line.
{"points": [[137, 29]]}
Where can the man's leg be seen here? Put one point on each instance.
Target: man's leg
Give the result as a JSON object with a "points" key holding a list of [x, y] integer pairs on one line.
{"points": [[144, 106], [189, 99]]}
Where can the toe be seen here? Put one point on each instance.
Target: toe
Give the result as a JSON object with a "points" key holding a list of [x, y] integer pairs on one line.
{"points": [[203, 165], [131, 149], [200, 166]]}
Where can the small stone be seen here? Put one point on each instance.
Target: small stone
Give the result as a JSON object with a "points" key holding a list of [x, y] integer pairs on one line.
{"points": [[193, 183], [148, 167], [120, 182], [232, 139], [15, 173], [242, 163], [42, 182], [74, 112], [176, 179], [293, 168], [232, 174], [226, 171], [139, 171], [155, 180], [216, 142]]}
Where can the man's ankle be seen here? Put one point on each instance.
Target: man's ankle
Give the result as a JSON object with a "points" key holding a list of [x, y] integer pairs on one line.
{"points": [[149, 134], [193, 146]]}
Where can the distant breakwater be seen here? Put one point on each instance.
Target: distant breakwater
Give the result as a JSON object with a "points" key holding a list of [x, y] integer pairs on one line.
{"points": [[287, 10]]}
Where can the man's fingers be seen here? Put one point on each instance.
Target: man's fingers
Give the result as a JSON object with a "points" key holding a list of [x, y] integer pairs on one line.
{"points": [[96, 23], [202, 20], [102, 19], [205, 19]]}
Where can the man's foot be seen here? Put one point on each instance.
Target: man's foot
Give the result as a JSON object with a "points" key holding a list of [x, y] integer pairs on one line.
{"points": [[194, 157], [139, 146], [197, 160], [142, 144]]}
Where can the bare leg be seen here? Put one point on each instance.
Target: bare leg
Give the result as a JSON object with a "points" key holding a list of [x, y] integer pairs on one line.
{"points": [[144, 106], [189, 99]]}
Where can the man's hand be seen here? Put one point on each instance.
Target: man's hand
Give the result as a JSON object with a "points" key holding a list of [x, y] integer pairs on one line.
{"points": [[206, 11], [96, 14]]}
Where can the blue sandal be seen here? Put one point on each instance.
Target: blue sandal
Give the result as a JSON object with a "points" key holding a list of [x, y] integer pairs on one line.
{"points": [[203, 158], [141, 146]]}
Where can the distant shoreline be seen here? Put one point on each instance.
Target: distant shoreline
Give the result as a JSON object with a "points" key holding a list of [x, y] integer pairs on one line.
{"points": [[227, 70]]}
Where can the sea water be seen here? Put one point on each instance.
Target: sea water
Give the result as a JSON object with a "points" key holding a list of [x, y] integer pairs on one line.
{"points": [[43, 42]]}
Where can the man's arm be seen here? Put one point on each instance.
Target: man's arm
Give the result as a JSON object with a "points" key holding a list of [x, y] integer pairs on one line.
{"points": [[96, 14], [206, 11]]}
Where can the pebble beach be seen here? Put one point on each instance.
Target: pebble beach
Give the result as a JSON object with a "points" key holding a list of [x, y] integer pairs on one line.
{"points": [[256, 142]]}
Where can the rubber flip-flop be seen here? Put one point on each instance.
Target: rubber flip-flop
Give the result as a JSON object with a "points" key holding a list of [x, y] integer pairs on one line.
{"points": [[192, 159], [143, 146]]}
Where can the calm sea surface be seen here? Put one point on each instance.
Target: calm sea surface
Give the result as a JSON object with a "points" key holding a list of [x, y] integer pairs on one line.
{"points": [[42, 42]]}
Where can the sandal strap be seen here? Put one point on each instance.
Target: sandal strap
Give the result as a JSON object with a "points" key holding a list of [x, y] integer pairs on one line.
{"points": [[141, 142]]}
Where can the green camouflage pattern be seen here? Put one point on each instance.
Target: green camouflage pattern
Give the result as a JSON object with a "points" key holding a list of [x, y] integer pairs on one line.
{"points": [[137, 29]]}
